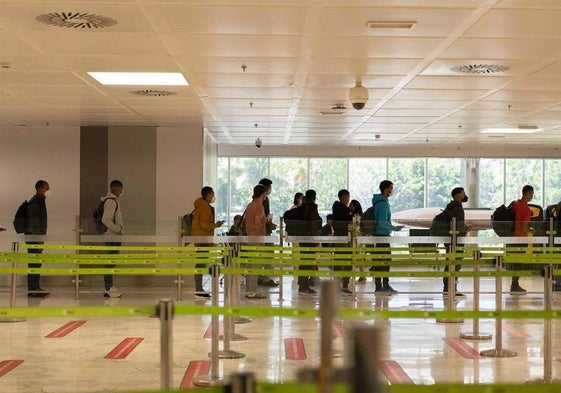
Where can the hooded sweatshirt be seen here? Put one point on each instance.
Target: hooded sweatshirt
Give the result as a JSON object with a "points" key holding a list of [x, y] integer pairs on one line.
{"points": [[382, 215], [112, 216], [203, 218]]}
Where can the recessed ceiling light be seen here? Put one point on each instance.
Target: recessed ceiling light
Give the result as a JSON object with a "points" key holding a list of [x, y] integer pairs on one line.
{"points": [[390, 24], [140, 78], [512, 130]]}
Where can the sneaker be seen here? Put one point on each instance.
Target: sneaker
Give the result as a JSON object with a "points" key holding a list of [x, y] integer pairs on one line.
{"points": [[346, 291], [202, 295], [269, 283], [37, 294], [255, 295], [112, 292], [388, 288], [307, 291], [517, 290]]}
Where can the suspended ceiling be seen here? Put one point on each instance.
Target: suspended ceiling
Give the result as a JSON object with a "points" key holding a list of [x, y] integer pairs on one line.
{"points": [[268, 69]]}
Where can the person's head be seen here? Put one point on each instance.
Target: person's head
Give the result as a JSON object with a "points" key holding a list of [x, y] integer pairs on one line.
{"points": [[356, 207], [259, 192], [237, 219], [459, 195], [310, 196], [344, 196], [42, 188], [386, 187], [268, 183], [527, 193], [207, 193], [116, 187], [329, 219], [298, 197]]}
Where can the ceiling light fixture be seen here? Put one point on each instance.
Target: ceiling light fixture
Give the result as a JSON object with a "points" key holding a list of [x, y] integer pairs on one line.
{"points": [[390, 24], [480, 69], [76, 20], [140, 78], [512, 130]]}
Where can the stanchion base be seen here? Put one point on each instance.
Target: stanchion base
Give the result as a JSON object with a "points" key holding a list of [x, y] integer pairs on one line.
{"points": [[336, 353], [207, 380], [229, 354], [539, 381], [242, 320], [479, 336], [499, 353], [234, 337], [449, 320], [10, 320]]}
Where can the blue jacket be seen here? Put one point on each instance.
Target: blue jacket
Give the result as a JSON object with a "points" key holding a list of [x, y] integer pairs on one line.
{"points": [[382, 215]]}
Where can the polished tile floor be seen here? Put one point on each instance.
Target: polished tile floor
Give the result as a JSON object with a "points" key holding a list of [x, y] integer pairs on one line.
{"points": [[418, 351]]}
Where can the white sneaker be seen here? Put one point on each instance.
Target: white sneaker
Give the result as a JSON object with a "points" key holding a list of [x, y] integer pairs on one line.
{"points": [[112, 292]]}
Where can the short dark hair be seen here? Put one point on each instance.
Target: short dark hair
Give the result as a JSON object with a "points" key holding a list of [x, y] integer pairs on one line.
{"points": [[311, 193], [297, 196], [456, 191], [265, 182], [39, 184], [385, 184], [206, 190], [115, 183], [527, 188], [342, 193], [259, 190], [329, 217]]}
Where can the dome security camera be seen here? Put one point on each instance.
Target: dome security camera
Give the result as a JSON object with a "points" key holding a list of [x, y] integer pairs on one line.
{"points": [[358, 96], [258, 143]]}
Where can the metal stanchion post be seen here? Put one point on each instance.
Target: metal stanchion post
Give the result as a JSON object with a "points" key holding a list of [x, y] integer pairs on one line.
{"points": [[476, 335], [451, 301], [236, 288], [364, 359], [15, 248], [78, 240], [179, 280], [229, 327], [327, 311], [242, 382], [498, 351], [281, 242], [213, 379], [164, 311]]}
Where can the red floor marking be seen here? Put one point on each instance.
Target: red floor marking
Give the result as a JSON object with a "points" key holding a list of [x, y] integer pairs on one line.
{"points": [[208, 333], [294, 349], [195, 368], [65, 330], [337, 329], [514, 332], [393, 372], [462, 348], [126, 346], [8, 365]]}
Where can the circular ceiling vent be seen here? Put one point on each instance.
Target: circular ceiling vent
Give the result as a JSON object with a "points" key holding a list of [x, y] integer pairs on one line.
{"points": [[153, 93], [480, 69], [76, 20]]}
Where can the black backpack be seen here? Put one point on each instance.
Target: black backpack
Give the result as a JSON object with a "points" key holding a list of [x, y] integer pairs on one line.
{"points": [[187, 224], [20, 218], [99, 226], [440, 225], [292, 220], [502, 221], [367, 223]]}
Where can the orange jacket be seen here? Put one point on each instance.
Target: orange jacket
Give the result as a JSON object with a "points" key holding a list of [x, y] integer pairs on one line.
{"points": [[203, 218]]}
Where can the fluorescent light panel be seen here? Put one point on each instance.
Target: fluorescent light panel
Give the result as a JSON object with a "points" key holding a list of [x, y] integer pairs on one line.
{"points": [[390, 24], [140, 78], [512, 130]]}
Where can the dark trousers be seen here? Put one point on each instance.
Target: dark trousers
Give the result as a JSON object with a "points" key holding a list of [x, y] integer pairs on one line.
{"points": [[344, 280], [379, 282], [304, 281], [33, 279], [108, 278], [447, 268]]}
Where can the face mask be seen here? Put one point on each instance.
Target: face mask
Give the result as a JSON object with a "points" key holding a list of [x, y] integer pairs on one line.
{"points": [[47, 193], [465, 199]]}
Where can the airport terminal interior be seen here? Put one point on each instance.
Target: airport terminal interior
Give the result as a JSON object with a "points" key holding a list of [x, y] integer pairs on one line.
{"points": [[170, 96]]}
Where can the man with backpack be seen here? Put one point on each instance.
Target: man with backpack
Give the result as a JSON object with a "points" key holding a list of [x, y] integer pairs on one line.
{"points": [[112, 218], [36, 224], [384, 227]]}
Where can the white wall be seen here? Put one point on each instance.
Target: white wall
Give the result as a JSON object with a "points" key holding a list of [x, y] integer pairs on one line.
{"points": [[28, 154]]}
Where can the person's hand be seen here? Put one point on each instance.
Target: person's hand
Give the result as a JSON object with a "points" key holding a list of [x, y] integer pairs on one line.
{"points": [[399, 227], [219, 224], [531, 230], [120, 233]]}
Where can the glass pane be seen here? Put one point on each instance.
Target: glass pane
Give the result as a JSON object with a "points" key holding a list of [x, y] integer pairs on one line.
{"points": [[365, 175], [491, 175], [327, 177], [552, 181], [289, 176], [245, 173], [222, 191], [443, 174], [408, 177], [520, 172]]}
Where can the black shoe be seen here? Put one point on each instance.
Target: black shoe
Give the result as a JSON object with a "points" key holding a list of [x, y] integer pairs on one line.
{"points": [[517, 290], [346, 291], [37, 294], [268, 283], [306, 291], [202, 295]]}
